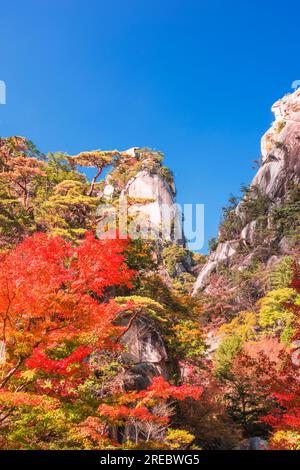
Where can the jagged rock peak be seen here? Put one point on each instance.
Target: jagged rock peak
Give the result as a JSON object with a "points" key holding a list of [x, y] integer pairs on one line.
{"points": [[280, 147], [149, 187], [280, 168]]}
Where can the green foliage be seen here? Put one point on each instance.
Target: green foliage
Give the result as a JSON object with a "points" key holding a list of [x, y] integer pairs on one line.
{"points": [[173, 255], [226, 353], [139, 255], [281, 274], [151, 286], [68, 212], [212, 244], [184, 283], [35, 428], [59, 201], [198, 258], [187, 340], [52, 199], [247, 402], [127, 167], [167, 174], [274, 314], [231, 223], [253, 205], [242, 325], [135, 303], [250, 283], [178, 439], [62, 206], [20, 167], [286, 217], [58, 169], [239, 330], [15, 221]]}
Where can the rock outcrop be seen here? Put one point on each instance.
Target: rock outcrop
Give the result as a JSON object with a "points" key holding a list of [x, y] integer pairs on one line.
{"points": [[223, 253], [280, 148], [156, 208], [146, 355], [280, 166], [150, 193]]}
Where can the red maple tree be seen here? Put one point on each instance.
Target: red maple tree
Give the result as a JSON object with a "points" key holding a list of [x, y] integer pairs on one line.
{"points": [[52, 292], [56, 316], [285, 387]]}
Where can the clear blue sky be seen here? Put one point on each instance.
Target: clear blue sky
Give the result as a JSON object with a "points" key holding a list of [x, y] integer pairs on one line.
{"points": [[195, 79]]}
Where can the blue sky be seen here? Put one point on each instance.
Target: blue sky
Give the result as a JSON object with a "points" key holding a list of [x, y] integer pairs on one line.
{"points": [[195, 79]]}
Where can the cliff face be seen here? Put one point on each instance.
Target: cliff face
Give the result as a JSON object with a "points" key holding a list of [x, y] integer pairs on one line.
{"points": [[145, 354], [280, 148], [158, 195], [150, 191], [271, 192]]}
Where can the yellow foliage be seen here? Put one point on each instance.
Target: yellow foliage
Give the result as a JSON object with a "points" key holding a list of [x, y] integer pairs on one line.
{"points": [[243, 326], [285, 440], [178, 439]]}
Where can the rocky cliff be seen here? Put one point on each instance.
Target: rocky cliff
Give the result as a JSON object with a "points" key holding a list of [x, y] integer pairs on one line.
{"points": [[149, 189], [263, 224], [150, 192], [146, 353]]}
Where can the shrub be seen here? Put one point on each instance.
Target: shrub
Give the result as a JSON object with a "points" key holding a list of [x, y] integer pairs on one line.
{"points": [[226, 353], [172, 255], [274, 314], [281, 275]]}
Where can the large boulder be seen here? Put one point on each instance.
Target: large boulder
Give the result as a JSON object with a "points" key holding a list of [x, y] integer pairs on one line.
{"points": [[145, 353], [155, 206], [248, 233]]}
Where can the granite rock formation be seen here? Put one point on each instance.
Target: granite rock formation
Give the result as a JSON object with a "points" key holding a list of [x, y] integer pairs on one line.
{"points": [[280, 167]]}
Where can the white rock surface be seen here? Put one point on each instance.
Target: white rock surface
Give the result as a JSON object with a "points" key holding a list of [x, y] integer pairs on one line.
{"points": [[248, 233], [246, 262], [280, 149], [132, 151], [204, 274], [108, 191], [224, 251], [159, 210]]}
